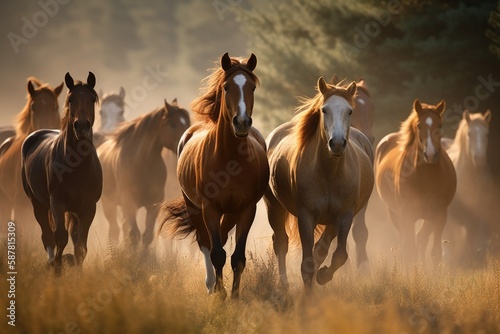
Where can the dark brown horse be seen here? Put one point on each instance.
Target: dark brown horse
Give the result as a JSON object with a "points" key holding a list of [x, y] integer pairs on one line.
{"points": [[222, 169], [416, 179], [321, 174], [134, 171], [62, 175], [40, 112]]}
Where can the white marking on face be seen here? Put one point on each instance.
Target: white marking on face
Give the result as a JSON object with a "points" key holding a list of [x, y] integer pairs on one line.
{"points": [[337, 120], [210, 280], [182, 120], [240, 80], [430, 146]]}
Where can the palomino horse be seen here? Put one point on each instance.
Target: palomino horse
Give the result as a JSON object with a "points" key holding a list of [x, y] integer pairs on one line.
{"points": [[40, 112], [134, 171], [62, 175], [361, 119], [473, 206], [222, 169], [110, 116], [321, 173], [416, 179]]}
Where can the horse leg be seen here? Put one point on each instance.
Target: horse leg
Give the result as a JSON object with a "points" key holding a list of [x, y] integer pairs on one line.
{"points": [[42, 215], [360, 236], [306, 231], [238, 259], [438, 224], [109, 210], [203, 240], [322, 246], [60, 233], [339, 257], [423, 236], [406, 229], [131, 231], [217, 254], [85, 220], [277, 216], [148, 234]]}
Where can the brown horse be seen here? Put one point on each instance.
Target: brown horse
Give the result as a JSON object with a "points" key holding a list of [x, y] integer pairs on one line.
{"points": [[110, 116], [62, 175], [321, 173], [40, 112], [222, 169], [134, 171], [416, 179]]}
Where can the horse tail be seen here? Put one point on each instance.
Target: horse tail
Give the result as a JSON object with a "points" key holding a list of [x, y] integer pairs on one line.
{"points": [[176, 213]]}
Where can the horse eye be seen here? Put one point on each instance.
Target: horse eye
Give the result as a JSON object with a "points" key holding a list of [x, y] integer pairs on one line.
{"points": [[323, 110], [350, 112], [253, 89], [225, 88]]}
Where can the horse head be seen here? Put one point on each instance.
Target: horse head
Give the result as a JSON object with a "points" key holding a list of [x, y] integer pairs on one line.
{"points": [[80, 103], [112, 110], [478, 136], [429, 124], [44, 106], [238, 93], [174, 122], [336, 112]]}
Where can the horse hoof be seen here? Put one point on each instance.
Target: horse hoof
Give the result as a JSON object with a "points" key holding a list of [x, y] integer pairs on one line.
{"points": [[69, 259], [323, 276]]}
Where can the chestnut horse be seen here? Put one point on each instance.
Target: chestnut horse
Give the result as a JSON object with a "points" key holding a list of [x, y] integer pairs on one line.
{"points": [[62, 175], [473, 212], [222, 169], [416, 179], [134, 171], [40, 112], [110, 116], [321, 173]]}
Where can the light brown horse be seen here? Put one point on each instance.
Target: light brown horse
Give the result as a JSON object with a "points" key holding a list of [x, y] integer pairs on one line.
{"points": [[416, 179], [321, 173], [473, 213], [134, 171], [40, 112], [222, 169]]}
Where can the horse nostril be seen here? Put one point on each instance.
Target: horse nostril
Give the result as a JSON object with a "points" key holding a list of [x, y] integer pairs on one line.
{"points": [[331, 144], [344, 143], [249, 122], [235, 121]]}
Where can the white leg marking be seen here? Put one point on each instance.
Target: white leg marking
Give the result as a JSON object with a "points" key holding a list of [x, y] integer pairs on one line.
{"points": [[240, 80], [210, 281], [50, 253]]}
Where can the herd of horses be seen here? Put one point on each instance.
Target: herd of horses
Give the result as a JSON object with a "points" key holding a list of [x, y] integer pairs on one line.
{"points": [[315, 173]]}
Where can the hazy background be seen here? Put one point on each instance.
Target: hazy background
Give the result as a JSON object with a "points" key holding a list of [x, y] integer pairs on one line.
{"points": [[432, 50]]}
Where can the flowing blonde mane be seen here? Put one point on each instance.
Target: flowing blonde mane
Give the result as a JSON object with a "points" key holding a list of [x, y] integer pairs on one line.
{"points": [[207, 106]]}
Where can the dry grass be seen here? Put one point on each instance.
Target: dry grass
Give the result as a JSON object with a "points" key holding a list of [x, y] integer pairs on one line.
{"points": [[118, 294]]}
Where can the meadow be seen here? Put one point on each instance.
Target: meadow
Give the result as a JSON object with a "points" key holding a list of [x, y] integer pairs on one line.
{"points": [[116, 292]]}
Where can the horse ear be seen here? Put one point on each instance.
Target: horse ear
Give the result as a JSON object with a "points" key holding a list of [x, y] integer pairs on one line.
{"points": [[174, 103], [59, 89], [225, 62], [31, 88], [466, 116], [167, 106], [417, 106], [441, 106], [352, 88], [322, 87], [487, 116], [252, 62], [91, 80], [69, 81], [122, 92]]}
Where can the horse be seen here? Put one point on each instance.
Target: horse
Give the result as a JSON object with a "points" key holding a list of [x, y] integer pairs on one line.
{"points": [[62, 175], [321, 173], [361, 119], [134, 171], [40, 112], [471, 210], [222, 169], [416, 180], [6, 132], [110, 116]]}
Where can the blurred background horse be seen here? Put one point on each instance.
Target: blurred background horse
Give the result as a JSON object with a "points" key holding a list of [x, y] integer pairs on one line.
{"points": [[134, 171], [110, 116], [40, 112]]}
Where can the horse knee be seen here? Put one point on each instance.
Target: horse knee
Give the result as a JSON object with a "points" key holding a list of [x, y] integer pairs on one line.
{"points": [[218, 257], [238, 262]]}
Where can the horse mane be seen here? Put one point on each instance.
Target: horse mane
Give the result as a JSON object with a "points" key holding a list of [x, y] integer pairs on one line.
{"points": [[23, 119], [138, 128], [208, 105]]}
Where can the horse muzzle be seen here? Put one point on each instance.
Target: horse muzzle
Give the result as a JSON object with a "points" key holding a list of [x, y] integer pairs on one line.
{"points": [[83, 129], [241, 126], [337, 146], [431, 158]]}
